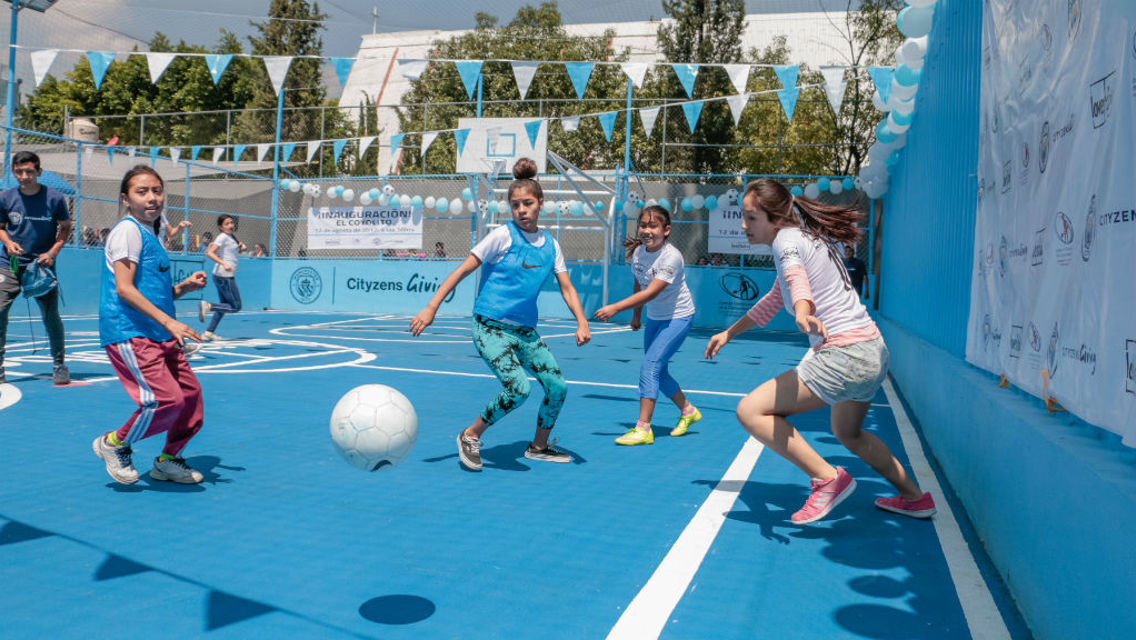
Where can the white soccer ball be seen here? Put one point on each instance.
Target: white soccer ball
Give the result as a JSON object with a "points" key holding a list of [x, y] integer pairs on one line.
{"points": [[388, 190], [374, 427]]}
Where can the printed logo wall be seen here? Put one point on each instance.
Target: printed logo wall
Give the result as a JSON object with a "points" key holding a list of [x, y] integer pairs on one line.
{"points": [[1055, 234], [364, 227], [724, 234], [391, 286]]}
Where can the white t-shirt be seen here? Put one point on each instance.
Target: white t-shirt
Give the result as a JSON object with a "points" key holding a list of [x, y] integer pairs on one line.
{"points": [[227, 250], [497, 242], [667, 265], [837, 305], [125, 241]]}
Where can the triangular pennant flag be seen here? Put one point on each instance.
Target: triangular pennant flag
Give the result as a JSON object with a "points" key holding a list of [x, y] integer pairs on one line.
{"points": [[396, 142], [737, 105], [524, 72], [365, 142], [636, 71], [687, 73], [194, 151], [427, 140], [130, 151], [286, 150], [110, 154], [41, 63], [460, 137], [261, 150], [881, 77], [158, 61], [533, 129], [412, 69], [787, 74], [607, 121], [277, 67], [569, 124], [175, 154], [648, 115], [99, 61], [313, 147], [739, 76], [154, 155], [834, 86], [342, 68], [337, 148], [693, 111], [579, 73], [470, 72], [217, 63], [217, 153], [238, 151], [788, 98]]}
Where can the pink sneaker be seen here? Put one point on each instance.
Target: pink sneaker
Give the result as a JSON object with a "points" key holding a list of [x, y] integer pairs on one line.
{"points": [[922, 508], [825, 496]]}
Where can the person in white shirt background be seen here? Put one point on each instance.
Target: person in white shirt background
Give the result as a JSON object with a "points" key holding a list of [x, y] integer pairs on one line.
{"points": [[225, 250]]}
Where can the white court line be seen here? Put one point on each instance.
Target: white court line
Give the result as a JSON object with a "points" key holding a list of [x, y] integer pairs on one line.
{"points": [[647, 614], [982, 615]]}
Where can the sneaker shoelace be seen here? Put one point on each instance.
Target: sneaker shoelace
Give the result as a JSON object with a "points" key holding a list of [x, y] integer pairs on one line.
{"points": [[180, 464], [123, 454], [474, 444]]}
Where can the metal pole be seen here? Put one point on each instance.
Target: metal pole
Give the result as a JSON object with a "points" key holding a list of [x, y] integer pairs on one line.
{"points": [[480, 85], [142, 130], [11, 88], [185, 232], [627, 142], [276, 172], [663, 168], [78, 193]]}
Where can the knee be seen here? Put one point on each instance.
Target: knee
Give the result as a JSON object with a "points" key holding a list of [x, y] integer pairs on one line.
{"points": [[174, 403], [519, 388], [556, 389], [236, 304], [752, 410]]}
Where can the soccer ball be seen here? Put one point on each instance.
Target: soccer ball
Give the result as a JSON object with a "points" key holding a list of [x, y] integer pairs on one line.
{"points": [[388, 190], [374, 427]]}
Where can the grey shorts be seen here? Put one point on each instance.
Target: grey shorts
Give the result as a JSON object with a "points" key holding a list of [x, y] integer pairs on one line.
{"points": [[837, 374]]}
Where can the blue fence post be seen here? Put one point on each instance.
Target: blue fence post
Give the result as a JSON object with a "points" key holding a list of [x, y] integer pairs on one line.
{"points": [[276, 173], [185, 231], [78, 193]]}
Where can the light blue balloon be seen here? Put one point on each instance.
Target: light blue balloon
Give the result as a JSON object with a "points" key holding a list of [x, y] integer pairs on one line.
{"points": [[442, 205], [823, 184], [907, 76], [711, 202], [797, 190], [415, 202], [892, 159], [685, 204], [901, 118], [599, 205], [467, 194], [492, 206], [882, 129], [618, 206], [549, 206], [576, 208], [666, 204], [374, 192], [887, 137], [848, 184], [284, 184]]}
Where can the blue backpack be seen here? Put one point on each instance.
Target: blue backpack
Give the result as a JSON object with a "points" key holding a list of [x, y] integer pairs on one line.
{"points": [[38, 280]]}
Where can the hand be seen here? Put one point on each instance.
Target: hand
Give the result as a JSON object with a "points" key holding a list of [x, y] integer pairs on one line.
{"points": [[717, 341], [635, 323], [226, 266], [13, 248], [583, 334], [181, 331], [195, 281], [812, 325], [605, 312], [419, 323], [183, 224], [241, 246], [46, 259]]}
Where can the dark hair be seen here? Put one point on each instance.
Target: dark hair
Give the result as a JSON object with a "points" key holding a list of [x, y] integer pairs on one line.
{"points": [[221, 220], [633, 242], [828, 222], [524, 171], [135, 171], [24, 157]]}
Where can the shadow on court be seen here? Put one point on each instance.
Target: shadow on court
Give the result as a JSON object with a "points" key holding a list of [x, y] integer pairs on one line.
{"points": [[207, 465], [506, 457]]}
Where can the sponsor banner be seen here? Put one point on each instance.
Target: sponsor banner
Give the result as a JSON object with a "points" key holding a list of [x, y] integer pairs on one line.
{"points": [[378, 286], [1055, 232], [364, 227], [724, 234]]}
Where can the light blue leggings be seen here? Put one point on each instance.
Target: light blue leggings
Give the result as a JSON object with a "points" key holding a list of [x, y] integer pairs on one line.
{"points": [[661, 338]]}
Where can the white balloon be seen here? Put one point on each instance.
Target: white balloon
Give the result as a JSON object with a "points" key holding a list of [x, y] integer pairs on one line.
{"points": [[879, 103], [316, 191], [294, 186], [914, 64], [364, 198], [652, 202], [904, 107], [471, 206], [698, 201], [835, 187], [404, 201], [895, 126], [921, 3], [388, 190], [331, 194], [902, 92], [878, 152], [428, 203], [348, 195], [917, 21], [456, 206], [384, 200], [812, 191]]}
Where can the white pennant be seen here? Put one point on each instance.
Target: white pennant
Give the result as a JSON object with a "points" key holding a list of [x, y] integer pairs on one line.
{"points": [[277, 70], [217, 153], [523, 72], [261, 150], [569, 124], [427, 140], [41, 63], [636, 71], [648, 115], [175, 154], [130, 153], [412, 69], [834, 86], [737, 105], [313, 147], [365, 142], [158, 61], [739, 76]]}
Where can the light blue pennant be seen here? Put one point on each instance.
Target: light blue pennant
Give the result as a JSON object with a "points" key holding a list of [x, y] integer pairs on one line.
{"points": [[342, 68], [470, 71], [337, 148], [194, 151], [607, 121], [460, 137], [788, 98], [396, 142], [217, 63], [693, 111], [99, 61], [238, 151], [579, 73], [286, 150], [881, 77], [110, 154], [154, 155], [787, 74], [533, 129], [686, 73]]}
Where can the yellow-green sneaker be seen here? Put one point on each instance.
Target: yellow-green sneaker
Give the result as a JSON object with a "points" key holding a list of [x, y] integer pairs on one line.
{"points": [[684, 423], [636, 436]]}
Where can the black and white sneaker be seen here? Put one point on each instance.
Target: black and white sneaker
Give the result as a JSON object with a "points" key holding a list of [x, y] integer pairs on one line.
{"points": [[118, 462], [548, 454], [469, 451]]}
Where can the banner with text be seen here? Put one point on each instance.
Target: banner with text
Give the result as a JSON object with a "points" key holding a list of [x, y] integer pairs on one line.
{"points": [[364, 227], [724, 234]]}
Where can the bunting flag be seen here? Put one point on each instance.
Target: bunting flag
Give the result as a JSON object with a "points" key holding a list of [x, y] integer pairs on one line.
{"points": [[579, 73], [636, 71], [110, 154], [881, 77], [396, 142], [261, 150], [342, 68], [41, 63], [99, 61], [787, 74], [834, 86], [647, 116], [313, 147], [157, 61], [175, 154], [737, 105], [238, 151], [524, 73], [194, 151], [217, 153], [427, 140], [687, 74], [412, 69], [154, 155], [277, 67], [533, 129], [569, 124], [470, 72], [286, 150], [607, 121], [739, 76], [693, 111], [217, 64], [788, 98], [460, 136], [130, 151], [365, 142], [337, 148]]}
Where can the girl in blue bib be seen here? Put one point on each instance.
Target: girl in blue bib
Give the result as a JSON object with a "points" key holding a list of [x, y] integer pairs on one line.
{"points": [[515, 259]]}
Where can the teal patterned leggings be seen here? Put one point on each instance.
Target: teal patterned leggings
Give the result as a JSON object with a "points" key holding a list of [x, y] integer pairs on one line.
{"points": [[509, 350]]}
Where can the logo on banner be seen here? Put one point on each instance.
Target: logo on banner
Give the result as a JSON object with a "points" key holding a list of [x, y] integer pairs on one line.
{"points": [[1052, 355], [1038, 255], [305, 285], [738, 286], [1085, 355], [1007, 179], [1003, 255], [1034, 338], [1074, 19], [1016, 341], [1090, 222], [1100, 99], [1130, 366], [986, 332], [1043, 147], [1023, 174], [1063, 229], [986, 56]]}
